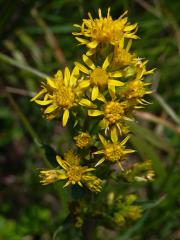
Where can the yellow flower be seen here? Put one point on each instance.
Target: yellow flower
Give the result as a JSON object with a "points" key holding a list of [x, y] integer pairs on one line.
{"points": [[114, 116], [98, 77], [134, 90], [83, 139], [141, 68], [71, 171], [75, 173], [59, 94], [114, 151], [122, 56], [104, 30]]}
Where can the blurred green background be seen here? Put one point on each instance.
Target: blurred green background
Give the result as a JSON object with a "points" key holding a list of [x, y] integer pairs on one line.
{"points": [[36, 40]]}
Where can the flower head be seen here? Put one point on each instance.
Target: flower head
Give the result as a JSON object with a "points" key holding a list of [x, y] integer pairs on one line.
{"points": [[114, 115], [134, 90], [122, 56], [114, 151], [59, 94], [83, 139], [98, 78], [105, 30], [73, 172]]}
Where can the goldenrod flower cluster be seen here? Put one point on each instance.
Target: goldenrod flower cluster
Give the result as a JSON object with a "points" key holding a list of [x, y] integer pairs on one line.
{"points": [[98, 98]]}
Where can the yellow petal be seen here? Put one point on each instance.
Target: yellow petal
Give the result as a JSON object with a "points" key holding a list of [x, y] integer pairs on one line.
{"points": [[114, 134], [131, 35], [95, 93], [82, 41], [123, 15], [99, 12], [121, 43], [125, 140], [65, 117], [100, 162], [84, 84], [129, 45], [43, 102], [51, 83], [94, 113], [130, 27], [116, 74], [103, 140], [58, 159], [82, 68], [77, 25], [50, 109], [115, 83], [90, 52], [66, 76], [99, 152], [112, 91], [63, 164], [129, 151], [74, 76], [101, 98], [80, 184], [39, 94], [67, 184], [106, 63], [59, 75], [86, 103], [89, 169], [108, 13], [88, 62], [92, 44]]}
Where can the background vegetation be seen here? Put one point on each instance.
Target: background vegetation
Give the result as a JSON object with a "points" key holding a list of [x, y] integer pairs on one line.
{"points": [[36, 40]]}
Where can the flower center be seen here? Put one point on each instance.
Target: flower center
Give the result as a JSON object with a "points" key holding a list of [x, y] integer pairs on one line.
{"points": [[122, 57], [65, 97], [113, 152], [113, 112], [82, 140], [74, 174], [99, 77], [107, 30]]}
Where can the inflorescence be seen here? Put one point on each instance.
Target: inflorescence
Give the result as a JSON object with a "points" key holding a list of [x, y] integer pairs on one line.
{"points": [[98, 98]]}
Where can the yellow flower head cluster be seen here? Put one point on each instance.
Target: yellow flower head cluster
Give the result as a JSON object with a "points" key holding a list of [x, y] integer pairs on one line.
{"points": [[98, 97]]}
